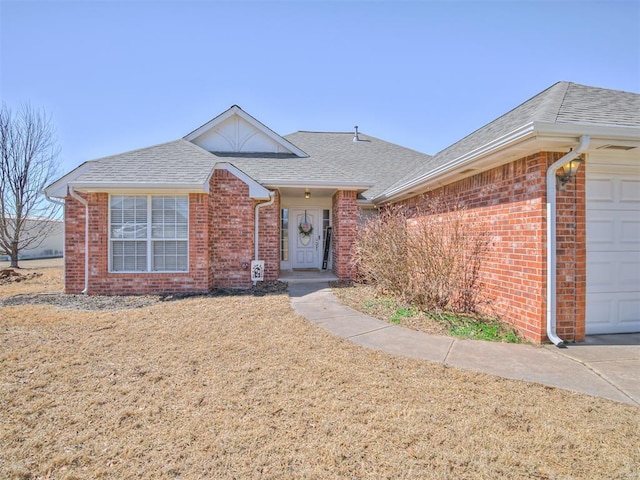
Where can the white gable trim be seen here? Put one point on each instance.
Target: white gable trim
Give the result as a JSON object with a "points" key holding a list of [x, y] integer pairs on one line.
{"points": [[58, 189], [236, 110]]}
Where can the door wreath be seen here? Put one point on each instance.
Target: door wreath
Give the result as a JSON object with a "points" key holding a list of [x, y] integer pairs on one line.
{"points": [[305, 228]]}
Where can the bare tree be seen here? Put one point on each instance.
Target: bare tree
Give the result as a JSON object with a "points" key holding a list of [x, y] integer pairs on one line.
{"points": [[28, 162]]}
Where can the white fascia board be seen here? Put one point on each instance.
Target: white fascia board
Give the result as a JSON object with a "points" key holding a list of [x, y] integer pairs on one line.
{"points": [[532, 132], [318, 184], [575, 130], [58, 189], [138, 187], [211, 123], [256, 190], [500, 143], [235, 110]]}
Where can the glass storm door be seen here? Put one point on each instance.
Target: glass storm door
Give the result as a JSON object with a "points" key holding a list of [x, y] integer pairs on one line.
{"points": [[307, 235]]}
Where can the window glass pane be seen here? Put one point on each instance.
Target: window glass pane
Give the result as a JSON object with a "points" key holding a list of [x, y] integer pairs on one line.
{"points": [[117, 264], [325, 223], [128, 217], [170, 262], [129, 203], [182, 203], [129, 231], [116, 202], [170, 255], [127, 256], [182, 231], [169, 212], [284, 235]]}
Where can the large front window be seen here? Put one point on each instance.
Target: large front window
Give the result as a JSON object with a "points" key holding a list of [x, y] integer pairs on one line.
{"points": [[149, 233]]}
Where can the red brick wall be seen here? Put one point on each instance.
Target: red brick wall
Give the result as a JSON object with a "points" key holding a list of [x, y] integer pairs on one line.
{"points": [[269, 241], [345, 218], [231, 231], [101, 282], [510, 200], [220, 242], [74, 214], [571, 258]]}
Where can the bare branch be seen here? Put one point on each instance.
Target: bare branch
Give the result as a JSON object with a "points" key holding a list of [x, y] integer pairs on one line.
{"points": [[28, 162]]}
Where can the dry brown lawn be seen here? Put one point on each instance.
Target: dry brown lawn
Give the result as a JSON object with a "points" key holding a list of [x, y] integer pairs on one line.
{"points": [[242, 387]]}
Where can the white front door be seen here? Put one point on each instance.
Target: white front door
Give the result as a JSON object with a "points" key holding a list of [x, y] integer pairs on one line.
{"points": [[613, 252], [307, 237]]}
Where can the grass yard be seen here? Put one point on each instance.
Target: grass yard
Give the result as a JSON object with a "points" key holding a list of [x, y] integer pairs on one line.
{"points": [[241, 387], [365, 299]]}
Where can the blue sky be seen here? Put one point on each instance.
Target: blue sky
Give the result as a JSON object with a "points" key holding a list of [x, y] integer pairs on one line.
{"points": [[119, 75]]}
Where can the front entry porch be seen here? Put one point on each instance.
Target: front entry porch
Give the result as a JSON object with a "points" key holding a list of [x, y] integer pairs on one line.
{"points": [[307, 276], [317, 233]]}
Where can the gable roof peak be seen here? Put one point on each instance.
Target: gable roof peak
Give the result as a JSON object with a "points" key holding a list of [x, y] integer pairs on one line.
{"points": [[235, 131]]}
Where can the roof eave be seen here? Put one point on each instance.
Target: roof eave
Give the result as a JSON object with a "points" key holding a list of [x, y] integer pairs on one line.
{"points": [[528, 138], [525, 132], [556, 131], [138, 187], [360, 186]]}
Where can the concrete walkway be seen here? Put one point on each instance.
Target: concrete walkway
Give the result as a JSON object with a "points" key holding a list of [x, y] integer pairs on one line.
{"points": [[606, 366]]}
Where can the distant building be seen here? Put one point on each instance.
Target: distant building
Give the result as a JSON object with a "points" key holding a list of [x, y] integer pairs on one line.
{"points": [[52, 246]]}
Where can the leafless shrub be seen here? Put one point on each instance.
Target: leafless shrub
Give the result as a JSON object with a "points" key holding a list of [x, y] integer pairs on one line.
{"points": [[381, 250], [430, 257]]}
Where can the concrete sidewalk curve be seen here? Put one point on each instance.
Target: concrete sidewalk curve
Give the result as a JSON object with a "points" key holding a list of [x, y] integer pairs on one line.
{"points": [[596, 368]]}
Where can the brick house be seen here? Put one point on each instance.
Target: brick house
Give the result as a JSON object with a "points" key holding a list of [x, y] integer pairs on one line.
{"points": [[192, 214]]}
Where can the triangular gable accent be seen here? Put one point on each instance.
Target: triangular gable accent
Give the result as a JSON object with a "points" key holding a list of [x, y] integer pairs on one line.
{"points": [[235, 131]]}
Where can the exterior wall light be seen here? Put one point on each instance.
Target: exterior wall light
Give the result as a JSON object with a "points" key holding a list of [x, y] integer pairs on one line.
{"points": [[567, 172], [307, 194]]}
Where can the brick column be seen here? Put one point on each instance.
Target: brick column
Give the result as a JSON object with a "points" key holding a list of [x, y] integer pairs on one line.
{"points": [[231, 237], [571, 259], [345, 222], [269, 238], [74, 218]]}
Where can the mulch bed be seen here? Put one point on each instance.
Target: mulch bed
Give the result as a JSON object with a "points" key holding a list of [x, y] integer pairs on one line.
{"points": [[119, 302]]}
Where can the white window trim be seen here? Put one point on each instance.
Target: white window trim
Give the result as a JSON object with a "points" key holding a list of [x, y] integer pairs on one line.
{"points": [[148, 239]]}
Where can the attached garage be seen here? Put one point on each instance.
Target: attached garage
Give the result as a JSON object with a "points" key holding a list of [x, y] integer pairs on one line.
{"points": [[613, 243]]}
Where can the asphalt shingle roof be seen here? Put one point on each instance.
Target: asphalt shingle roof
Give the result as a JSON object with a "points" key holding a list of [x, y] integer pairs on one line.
{"points": [[177, 162], [369, 159], [335, 158], [562, 103]]}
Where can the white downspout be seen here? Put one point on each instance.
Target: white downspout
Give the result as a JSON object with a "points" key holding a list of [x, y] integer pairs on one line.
{"points": [[551, 238], [73, 193], [64, 230], [256, 220]]}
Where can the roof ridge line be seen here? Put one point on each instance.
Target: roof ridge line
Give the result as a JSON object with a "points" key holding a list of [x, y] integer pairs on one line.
{"points": [[564, 96]]}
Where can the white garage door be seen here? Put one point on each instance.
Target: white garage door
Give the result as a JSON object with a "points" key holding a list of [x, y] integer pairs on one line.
{"points": [[613, 249]]}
